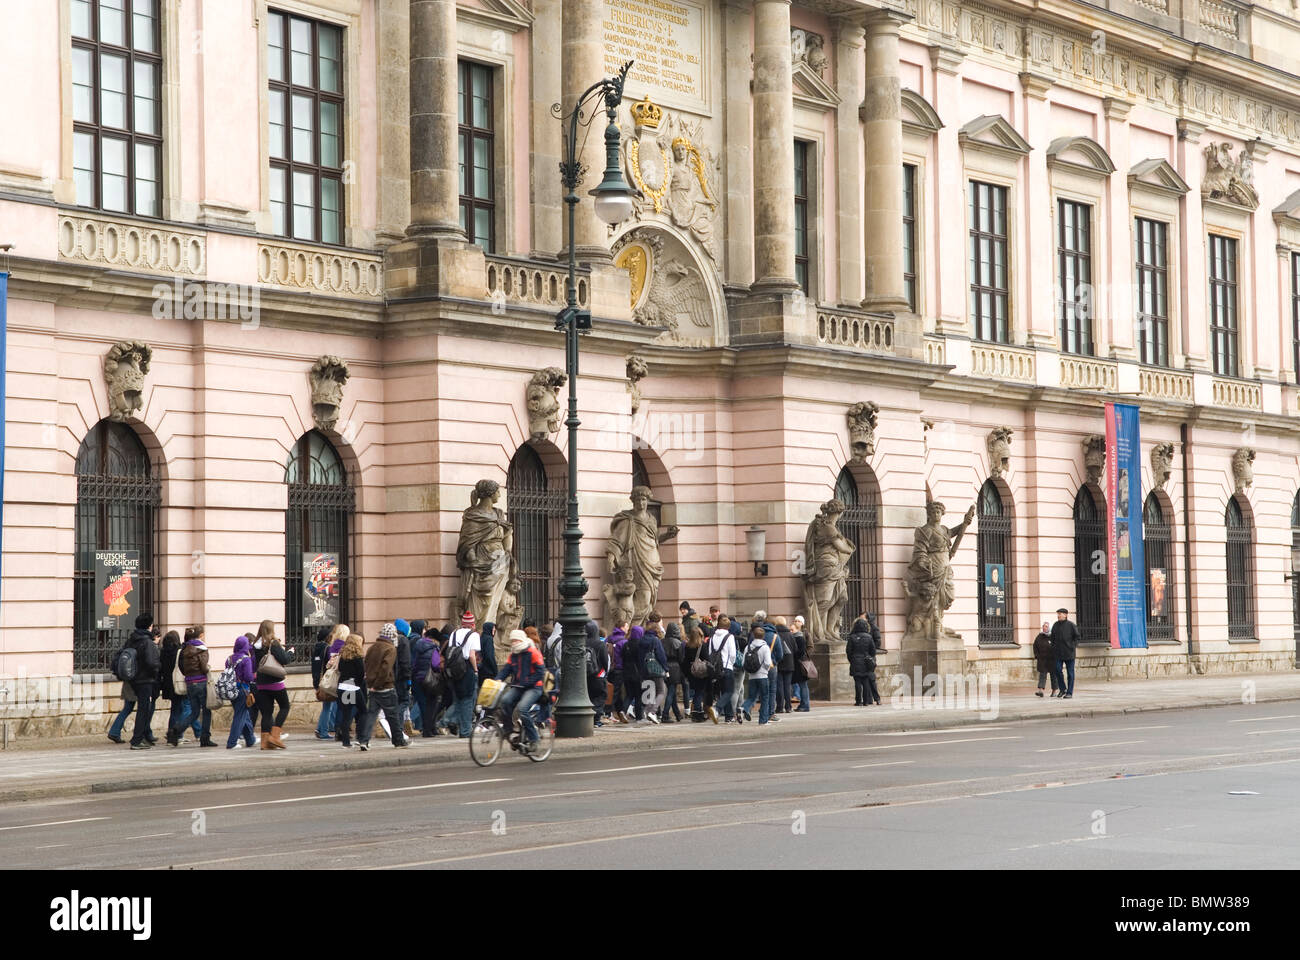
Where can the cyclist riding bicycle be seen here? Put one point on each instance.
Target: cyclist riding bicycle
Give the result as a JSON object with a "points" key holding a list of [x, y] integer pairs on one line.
{"points": [[526, 671]]}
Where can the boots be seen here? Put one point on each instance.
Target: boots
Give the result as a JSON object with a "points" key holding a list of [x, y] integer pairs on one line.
{"points": [[408, 729], [266, 742], [276, 742]]}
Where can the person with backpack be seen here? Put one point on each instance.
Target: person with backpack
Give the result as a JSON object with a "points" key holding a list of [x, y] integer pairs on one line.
{"points": [[553, 651], [739, 636], [271, 692], [320, 655], [701, 696], [352, 689], [463, 648], [757, 662], [722, 657], [426, 659], [136, 663], [179, 713], [402, 674], [194, 667], [241, 725], [785, 668], [654, 662], [614, 646], [597, 669], [860, 649], [128, 707], [800, 674], [777, 652], [674, 651], [632, 667]]}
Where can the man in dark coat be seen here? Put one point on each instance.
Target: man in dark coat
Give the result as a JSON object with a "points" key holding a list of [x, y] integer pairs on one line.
{"points": [[1065, 637], [1045, 659], [145, 682]]}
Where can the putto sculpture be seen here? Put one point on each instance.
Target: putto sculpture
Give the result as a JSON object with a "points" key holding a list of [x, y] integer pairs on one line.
{"points": [[632, 555], [485, 559], [1243, 470], [826, 573], [999, 446], [1094, 456], [929, 581], [1162, 458], [543, 397], [125, 366], [862, 430], [328, 377]]}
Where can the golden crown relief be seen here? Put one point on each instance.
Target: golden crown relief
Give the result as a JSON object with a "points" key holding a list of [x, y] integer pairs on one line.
{"points": [[647, 114]]}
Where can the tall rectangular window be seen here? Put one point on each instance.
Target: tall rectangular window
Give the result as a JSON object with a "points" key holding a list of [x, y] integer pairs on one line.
{"points": [[989, 288], [1223, 305], [304, 66], [1074, 299], [117, 105], [477, 155], [909, 235], [1295, 311], [1152, 264], [802, 149]]}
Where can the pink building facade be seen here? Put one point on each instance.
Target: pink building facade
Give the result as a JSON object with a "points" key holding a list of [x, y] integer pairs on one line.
{"points": [[973, 217]]}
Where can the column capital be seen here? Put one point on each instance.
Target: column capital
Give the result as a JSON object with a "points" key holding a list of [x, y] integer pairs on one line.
{"points": [[848, 31], [1035, 85], [946, 60], [885, 21]]}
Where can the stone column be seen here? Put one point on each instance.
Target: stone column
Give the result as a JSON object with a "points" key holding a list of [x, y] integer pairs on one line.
{"points": [[882, 219], [850, 68], [547, 204], [1037, 244], [435, 161], [739, 169], [1192, 248], [582, 54], [1120, 332], [949, 179], [773, 149], [394, 121]]}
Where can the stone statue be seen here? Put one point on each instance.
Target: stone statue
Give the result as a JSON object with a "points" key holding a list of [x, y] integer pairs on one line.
{"points": [[543, 395], [1226, 179], [1162, 458], [1094, 456], [636, 372], [484, 557], [125, 366], [619, 602], [826, 573], [675, 291], [328, 376], [862, 429], [929, 582], [1243, 471], [999, 445], [633, 549], [810, 48], [510, 614]]}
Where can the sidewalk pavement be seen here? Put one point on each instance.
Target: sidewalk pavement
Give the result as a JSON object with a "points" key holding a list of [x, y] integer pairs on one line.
{"points": [[104, 767]]}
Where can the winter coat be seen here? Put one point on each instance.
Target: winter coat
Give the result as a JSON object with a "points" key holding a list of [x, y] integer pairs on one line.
{"points": [[381, 661], [1065, 637], [166, 664], [487, 654], [617, 640], [861, 650], [194, 661], [354, 671], [787, 644], [402, 674], [651, 645], [1043, 654], [674, 651], [875, 631], [421, 657], [242, 661], [147, 658], [800, 655], [281, 656], [633, 655], [526, 669]]}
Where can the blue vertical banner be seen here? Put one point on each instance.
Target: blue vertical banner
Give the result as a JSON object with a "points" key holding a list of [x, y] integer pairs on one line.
{"points": [[1127, 560]]}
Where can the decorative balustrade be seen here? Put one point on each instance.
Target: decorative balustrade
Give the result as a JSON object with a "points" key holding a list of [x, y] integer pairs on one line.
{"points": [[936, 351], [860, 331], [128, 245], [1000, 362], [1089, 374], [1237, 394], [1165, 385], [512, 280], [340, 274], [1219, 18], [1159, 6]]}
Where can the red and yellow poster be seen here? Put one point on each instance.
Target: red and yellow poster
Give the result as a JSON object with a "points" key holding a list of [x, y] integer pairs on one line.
{"points": [[116, 572]]}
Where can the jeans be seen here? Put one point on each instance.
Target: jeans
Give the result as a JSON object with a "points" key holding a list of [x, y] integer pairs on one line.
{"points": [[758, 690], [268, 698], [385, 700], [115, 731], [196, 695], [769, 694], [242, 724], [518, 702], [143, 712], [329, 716], [724, 701], [785, 690], [352, 704], [1058, 674], [661, 693], [805, 699], [700, 691], [462, 710]]}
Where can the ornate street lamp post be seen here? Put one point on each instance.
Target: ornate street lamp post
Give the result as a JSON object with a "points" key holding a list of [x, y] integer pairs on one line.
{"points": [[574, 716]]}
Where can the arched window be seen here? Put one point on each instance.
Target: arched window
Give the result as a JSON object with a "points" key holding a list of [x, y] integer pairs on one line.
{"points": [[1157, 541], [1090, 592], [641, 478], [118, 496], [860, 524], [995, 568], [1241, 571], [1295, 570], [318, 521], [536, 509]]}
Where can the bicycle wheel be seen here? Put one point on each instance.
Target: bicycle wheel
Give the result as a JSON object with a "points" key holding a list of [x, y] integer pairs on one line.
{"points": [[545, 741], [485, 742]]}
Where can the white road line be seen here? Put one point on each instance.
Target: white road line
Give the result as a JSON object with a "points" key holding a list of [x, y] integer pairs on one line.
{"points": [[54, 823], [1256, 733], [679, 763], [928, 743], [352, 793], [49, 846], [148, 836], [1285, 716], [1080, 733], [1089, 746], [889, 763], [533, 796], [920, 733], [701, 746]]}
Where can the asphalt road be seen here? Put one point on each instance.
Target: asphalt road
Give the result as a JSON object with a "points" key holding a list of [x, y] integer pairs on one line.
{"points": [[1150, 790]]}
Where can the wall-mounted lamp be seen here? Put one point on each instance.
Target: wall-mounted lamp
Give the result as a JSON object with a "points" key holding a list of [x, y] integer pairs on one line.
{"points": [[756, 541]]}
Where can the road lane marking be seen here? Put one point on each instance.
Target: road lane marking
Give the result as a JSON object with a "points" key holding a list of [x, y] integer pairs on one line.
{"points": [[534, 796], [928, 743], [701, 746], [679, 763], [53, 823], [1256, 733], [148, 836], [1080, 733], [1285, 716], [334, 796], [888, 763], [920, 733], [1089, 746]]}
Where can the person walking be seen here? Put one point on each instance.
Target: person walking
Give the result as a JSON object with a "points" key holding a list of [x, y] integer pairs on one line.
{"points": [[777, 652], [655, 663], [1044, 659], [464, 644], [381, 689], [785, 669], [758, 661], [597, 669], [144, 640], [271, 692], [257, 650], [614, 646], [1065, 638], [632, 667], [722, 659], [241, 725], [179, 713], [194, 666], [674, 650], [352, 689], [701, 690], [860, 649], [739, 639], [800, 676], [422, 665], [402, 674]]}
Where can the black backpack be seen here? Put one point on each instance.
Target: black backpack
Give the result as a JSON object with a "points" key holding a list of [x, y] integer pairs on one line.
{"points": [[456, 665], [716, 667], [125, 663], [752, 663]]}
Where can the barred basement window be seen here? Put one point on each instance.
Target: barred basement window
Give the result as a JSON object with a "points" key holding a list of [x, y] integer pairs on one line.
{"points": [[995, 569], [1157, 541], [536, 508], [860, 524], [319, 520], [1091, 599], [118, 496], [1241, 571]]}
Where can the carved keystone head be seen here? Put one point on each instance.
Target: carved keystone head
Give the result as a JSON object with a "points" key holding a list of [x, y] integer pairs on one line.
{"points": [[999, 445], [543, 400], [1094, 456], [862, 429], [125, 366], [1243, 471], [328, 376], [636, 371], [1162, 458]]}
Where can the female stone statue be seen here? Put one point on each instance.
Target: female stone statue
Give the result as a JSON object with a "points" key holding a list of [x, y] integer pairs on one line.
{"points": [[827, 553], [483, 554]]}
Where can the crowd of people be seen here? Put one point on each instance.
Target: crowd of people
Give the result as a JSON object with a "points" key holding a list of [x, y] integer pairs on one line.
{"points": [[418, 679]]}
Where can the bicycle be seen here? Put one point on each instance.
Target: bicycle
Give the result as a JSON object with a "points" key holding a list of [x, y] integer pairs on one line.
{"points": [[492, 730]]}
